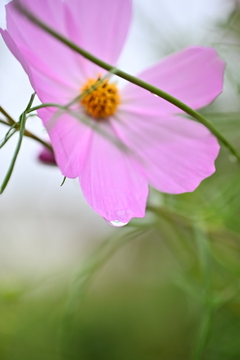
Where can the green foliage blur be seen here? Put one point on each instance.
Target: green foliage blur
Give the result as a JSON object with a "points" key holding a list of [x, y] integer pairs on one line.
{"points": [[166, 287]]}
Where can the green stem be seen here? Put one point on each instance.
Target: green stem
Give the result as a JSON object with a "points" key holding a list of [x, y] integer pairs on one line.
{"points": [[4, 122], [9, 118], [21, 134], [153, 89], [36, 138], [27, 133], [37, 107], [8, 135]]}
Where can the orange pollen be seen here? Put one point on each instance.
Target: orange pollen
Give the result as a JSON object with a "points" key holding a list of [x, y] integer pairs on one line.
{"points": [[100, 98]]}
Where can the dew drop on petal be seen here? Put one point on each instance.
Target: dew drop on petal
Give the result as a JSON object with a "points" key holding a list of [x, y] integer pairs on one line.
{"points": [[116, 223]]}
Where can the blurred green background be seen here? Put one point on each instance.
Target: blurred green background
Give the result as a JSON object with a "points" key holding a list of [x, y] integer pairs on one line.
{"points": [[166, 287]]}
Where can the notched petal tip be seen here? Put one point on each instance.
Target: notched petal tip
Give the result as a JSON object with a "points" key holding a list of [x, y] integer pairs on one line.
{"points": [[177, 153]]}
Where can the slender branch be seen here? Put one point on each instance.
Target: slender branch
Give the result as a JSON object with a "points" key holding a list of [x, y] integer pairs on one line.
{"points": [[9, 118], [26, 132], [22, 122], [37, 107], [4, 122], [36, 138], [11, 131], [153, 89]]}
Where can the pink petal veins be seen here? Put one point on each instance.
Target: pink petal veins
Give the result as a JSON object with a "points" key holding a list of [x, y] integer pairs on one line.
{"points": [[177, 153], [69, 138], [97, 26], [193, 75], [113, 182]]}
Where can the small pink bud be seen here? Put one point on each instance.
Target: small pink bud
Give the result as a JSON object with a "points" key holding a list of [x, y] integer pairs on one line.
{"points": [[46, 156]]}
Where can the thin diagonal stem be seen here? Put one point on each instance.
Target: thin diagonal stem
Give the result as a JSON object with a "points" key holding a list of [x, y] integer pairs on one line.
{"points": [[8, 117], [153, 89], [36, 138], [27, 133], [12, 130], [22, 122], [4, 122]]}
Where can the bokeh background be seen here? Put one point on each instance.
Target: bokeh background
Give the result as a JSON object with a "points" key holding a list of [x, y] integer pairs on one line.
{"points": [[165, 287]]}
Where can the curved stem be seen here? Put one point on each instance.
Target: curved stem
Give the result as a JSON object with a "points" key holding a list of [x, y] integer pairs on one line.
{"points": [[36, 138], [8, 117], [143, 84], [4, 122], [22, 122], [37, 107], [27, 133]]}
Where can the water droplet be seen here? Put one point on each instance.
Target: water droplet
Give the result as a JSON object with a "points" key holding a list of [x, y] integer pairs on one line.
{"points": [[155, 95], [116, 223], [233, 158]]}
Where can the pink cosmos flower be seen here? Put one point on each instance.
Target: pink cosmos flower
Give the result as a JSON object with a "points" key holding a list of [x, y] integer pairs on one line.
{"points": [[172, 154]]}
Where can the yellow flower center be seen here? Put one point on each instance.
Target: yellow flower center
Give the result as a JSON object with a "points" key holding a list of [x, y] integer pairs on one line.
{"points": [[100, 98]]}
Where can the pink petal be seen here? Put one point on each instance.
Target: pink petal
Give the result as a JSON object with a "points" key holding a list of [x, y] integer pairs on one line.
{"points": [[58, 73], [177, 153], [52, 64], [193, 75], [112, 182], [48, 87], [99, 27], [15, 51], [68, 137]]}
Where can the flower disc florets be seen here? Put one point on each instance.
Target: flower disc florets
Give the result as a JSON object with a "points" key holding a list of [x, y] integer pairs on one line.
{"points": [[100, 98]]}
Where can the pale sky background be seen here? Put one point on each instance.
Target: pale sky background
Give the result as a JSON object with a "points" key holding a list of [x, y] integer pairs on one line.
{"points": [[45, 227]]}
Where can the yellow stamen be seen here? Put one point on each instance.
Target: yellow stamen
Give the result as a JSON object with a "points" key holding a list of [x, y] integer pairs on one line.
{"points": [[101, 101]]}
